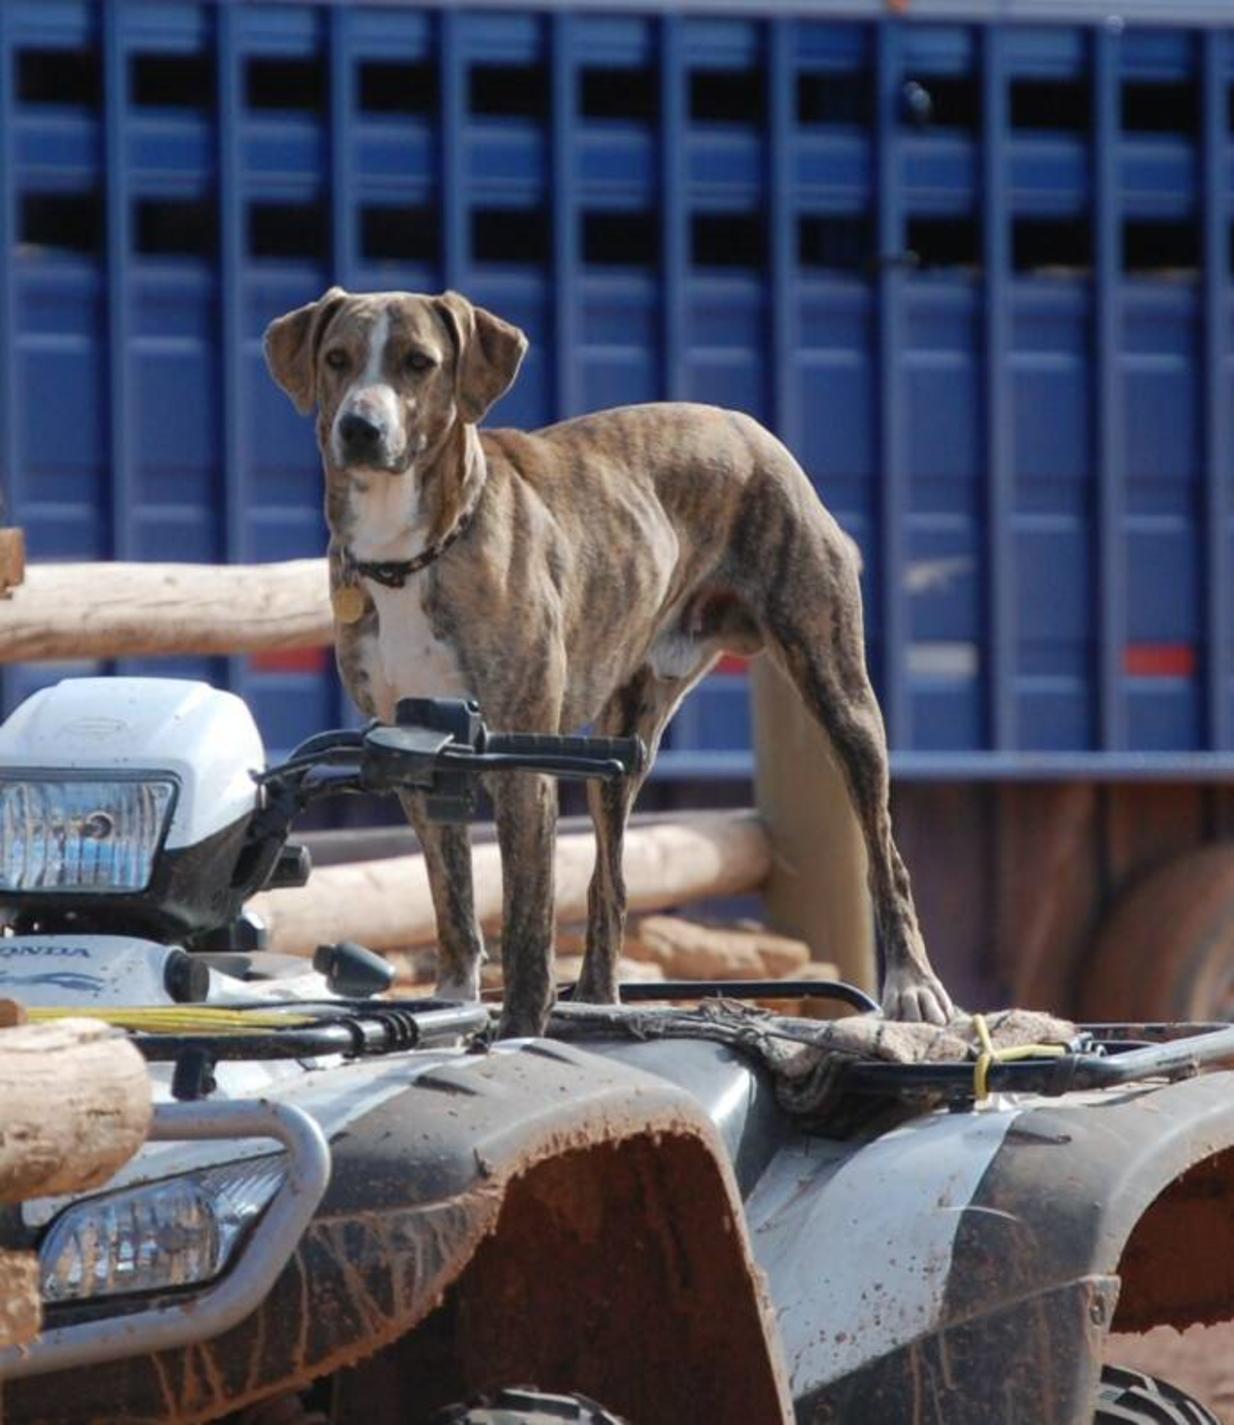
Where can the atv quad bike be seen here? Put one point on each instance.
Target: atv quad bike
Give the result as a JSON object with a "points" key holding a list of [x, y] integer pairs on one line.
{"points": [[357, 1208]]}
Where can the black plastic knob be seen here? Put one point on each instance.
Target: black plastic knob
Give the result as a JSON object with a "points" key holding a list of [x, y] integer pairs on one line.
{"points": [[353, 971]]}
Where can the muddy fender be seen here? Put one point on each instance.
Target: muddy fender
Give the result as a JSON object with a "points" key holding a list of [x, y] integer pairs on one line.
{"points": [[551, 1216]]}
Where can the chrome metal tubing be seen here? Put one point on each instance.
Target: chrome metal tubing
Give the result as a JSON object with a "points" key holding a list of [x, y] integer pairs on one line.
{"points": [[241, 1290]]}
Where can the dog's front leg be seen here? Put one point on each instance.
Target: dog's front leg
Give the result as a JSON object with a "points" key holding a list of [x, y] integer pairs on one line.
{"points": [[460, 942], [526, 815]]}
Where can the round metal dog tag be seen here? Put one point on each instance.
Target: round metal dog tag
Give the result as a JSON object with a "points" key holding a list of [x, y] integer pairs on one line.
{"points": [[348, 603]]}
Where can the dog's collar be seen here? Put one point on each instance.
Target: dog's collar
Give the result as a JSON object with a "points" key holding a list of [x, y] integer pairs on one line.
{"points": [[394, 573]]}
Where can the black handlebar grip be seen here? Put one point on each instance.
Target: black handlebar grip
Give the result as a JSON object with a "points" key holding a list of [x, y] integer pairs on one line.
{"points": [[628, 751]]}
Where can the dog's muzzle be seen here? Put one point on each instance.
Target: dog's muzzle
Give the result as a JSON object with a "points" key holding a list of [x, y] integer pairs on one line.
{"points": [[368, 431], [361, 441]]}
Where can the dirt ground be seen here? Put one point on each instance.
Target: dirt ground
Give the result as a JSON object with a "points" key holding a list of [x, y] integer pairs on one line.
{"points": [[1199, 1360]]}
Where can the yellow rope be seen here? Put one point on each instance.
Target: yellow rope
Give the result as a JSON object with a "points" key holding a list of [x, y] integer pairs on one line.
{"points": [[990, 1055], [176, 1019]]}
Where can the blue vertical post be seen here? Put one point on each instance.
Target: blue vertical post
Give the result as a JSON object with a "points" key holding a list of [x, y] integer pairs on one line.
{"points": [[10, 481], [785, 403], [10, 488], [343, 218], [566, 273], [119, 262], [455, 239], [674, 237], [1217, 468], [1001, 630], [341, 197], [892, 444], [233, 414], [1111, 421]]}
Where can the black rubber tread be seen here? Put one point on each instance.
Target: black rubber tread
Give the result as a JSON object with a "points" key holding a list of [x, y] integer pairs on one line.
{"points": [[524, 1405], [1131, 1398]]}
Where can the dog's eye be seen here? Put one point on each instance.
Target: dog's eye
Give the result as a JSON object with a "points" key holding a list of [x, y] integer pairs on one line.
{"points": [[336, 359], [418, 361]]}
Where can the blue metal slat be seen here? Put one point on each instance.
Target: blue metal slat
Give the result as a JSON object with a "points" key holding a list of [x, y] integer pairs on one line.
{"points": [[782, 217], [344, 214], [1217, 453], [233, 414], [9, 478], [674, 217], [455, 238], [1111, 415], [893, 512], [567, 277], [344, 231], [999, 655], [119, 262], [10, 484]]}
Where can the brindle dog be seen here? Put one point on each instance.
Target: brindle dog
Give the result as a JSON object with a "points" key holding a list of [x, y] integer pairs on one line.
{"points": [[591, 572]]}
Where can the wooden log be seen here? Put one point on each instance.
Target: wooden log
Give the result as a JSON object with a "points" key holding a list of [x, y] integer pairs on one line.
{"points": [[12, 559], [686, 950], [126, 610], [386, 904], [74, 1106], [817, 888], [20, 1305]]}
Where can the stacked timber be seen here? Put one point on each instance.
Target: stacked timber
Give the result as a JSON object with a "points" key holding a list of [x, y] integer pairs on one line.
{"points": [[64, 611], [12, 560], [662, 947], [74, 1106], [386, 904]]}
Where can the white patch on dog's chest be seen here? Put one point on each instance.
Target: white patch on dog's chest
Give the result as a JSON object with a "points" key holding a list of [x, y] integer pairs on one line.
{"points": [[408, 660]]}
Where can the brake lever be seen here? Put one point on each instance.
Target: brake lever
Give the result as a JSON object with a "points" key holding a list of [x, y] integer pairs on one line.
{"points": [[606, 769]]}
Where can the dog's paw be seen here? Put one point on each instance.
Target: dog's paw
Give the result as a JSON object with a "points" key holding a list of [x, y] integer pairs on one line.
{"points": [[917, 997], [520, 1026], [465, 990]]}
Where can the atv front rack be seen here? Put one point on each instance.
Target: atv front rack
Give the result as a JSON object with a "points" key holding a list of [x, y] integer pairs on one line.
{"points": [[1102, 1055], [1109, 1056]]}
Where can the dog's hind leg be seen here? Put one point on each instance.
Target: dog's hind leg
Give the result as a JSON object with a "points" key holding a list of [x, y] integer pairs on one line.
{"points": [[812, 603], [460, 942], [642, 708]]}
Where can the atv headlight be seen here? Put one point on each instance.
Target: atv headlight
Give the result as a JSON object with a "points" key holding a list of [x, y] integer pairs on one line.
{"points": [[92, 836], [175, 1233]]}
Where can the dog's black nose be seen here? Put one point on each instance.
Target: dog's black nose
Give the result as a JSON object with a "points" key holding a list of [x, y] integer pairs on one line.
{"points": [[359, 435]]}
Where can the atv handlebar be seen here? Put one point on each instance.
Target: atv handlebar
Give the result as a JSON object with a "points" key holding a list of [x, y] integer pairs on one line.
{"points": [[439, 747]]}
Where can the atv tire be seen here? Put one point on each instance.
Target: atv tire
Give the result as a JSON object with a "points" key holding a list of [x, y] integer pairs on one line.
{"points": [[526, 1406], [1129, 1398]]}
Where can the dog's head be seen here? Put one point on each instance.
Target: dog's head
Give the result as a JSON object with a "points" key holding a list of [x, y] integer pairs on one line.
{"points": [[391, 372]]}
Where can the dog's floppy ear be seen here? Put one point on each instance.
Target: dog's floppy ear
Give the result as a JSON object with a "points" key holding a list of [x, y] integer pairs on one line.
{"points": [[488, 354], [291, 344]]}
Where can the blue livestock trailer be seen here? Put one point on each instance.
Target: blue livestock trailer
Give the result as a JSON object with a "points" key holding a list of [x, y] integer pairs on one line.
{"points": [[972, 261]]}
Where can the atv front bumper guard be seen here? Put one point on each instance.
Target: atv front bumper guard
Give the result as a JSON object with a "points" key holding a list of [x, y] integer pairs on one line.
{"points": [[244, 1286]]}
